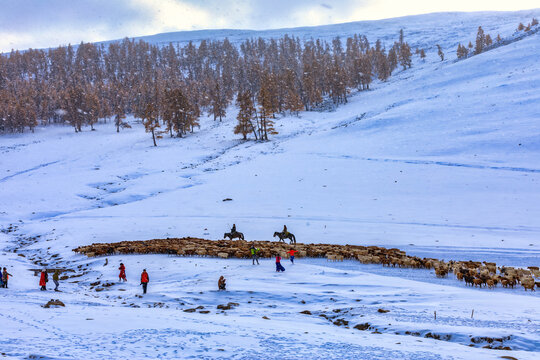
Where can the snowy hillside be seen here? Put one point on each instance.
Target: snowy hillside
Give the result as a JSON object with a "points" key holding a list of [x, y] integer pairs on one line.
{"points": [[445, 29], [445, 153], [440, 161]]}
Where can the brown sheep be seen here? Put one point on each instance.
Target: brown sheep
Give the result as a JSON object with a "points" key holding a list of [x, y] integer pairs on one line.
{"points": [[528, 285], [474, 273], [440, 272]]}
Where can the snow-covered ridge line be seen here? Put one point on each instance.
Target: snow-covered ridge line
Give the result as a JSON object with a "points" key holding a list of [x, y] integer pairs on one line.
{"points": [[420, 26]]}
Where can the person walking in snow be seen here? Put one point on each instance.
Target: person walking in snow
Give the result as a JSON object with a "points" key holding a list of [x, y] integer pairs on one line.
{"points": [[279, 267], [291, 253], [122, 275], [5, 278], [56, 278], [43, 279], [254, 254], [144, 280]]}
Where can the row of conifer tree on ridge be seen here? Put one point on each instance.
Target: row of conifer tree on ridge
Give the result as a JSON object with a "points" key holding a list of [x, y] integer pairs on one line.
{"points": [[484, 41]]}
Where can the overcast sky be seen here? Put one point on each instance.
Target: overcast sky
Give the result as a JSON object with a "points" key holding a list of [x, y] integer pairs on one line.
{"points": [[45, 23]]}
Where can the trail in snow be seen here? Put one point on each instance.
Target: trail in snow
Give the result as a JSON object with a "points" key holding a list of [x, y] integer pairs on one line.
{"points": [[28, 170], [428, 162]]}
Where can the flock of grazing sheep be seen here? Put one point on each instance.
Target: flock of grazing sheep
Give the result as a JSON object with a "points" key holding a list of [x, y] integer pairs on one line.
{"points": [[473, 273]]}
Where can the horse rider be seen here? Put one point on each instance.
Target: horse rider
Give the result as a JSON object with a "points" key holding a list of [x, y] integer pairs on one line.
{"points": [[285, 232]]}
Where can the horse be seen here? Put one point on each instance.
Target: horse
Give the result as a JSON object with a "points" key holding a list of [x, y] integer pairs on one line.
{"points": [[283, 236], [234, 235]]}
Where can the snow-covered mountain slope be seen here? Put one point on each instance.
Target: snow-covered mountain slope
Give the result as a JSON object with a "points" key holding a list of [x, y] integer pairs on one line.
{"points": [[446, 29], [442, 161], [442, 154]]}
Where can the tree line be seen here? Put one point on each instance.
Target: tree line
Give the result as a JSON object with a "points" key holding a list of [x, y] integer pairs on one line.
{"points": [[169, 87], [484, 41]]}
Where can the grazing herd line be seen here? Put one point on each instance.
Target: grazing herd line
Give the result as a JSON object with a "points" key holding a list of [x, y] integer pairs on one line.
{"points": [[473, 273]]}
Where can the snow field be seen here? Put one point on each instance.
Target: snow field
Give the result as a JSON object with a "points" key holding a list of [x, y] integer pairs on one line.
{"points": [[118, 322], [442, 159]]}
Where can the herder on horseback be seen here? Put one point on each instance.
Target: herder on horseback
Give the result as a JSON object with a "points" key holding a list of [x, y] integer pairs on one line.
{"points": [[234, 234], [285, 234]]}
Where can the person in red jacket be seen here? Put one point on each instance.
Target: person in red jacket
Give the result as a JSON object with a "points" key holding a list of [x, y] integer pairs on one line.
{"points": [[43, 280], [291, 254], [279, 267], [5, 277], [144, 280], [122, 275]]}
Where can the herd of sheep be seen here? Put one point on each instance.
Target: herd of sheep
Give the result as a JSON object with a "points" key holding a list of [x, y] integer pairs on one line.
{"points": [[473, 273]]}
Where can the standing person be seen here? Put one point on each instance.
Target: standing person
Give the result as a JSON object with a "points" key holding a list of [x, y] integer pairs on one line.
{"points": [[122, 275], [254, 254], [5, 278], [144, 280], [291, 253], [56, 278], [1, 281], [279, 267], [43, 280]]}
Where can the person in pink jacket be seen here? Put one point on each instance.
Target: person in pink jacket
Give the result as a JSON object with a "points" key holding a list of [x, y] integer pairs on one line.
{"points": [[279, 267]]}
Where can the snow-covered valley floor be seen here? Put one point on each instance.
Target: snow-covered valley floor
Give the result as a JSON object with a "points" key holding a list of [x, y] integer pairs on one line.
{"points": [[117, 322], [441, 161]]}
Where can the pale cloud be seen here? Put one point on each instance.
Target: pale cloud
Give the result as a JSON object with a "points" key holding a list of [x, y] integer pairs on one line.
{"points": [[36, 23], [171, 15], [45, 23], [268, 14], [39, 23]]}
